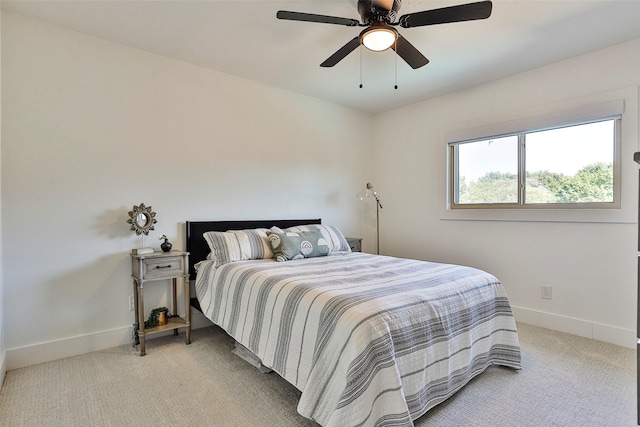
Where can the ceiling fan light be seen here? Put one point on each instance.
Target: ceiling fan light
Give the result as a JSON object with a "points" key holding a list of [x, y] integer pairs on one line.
{"points": [[378, 38]]}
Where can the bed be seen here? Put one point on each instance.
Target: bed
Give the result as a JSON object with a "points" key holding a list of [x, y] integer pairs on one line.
{"points": [[369, 340]]}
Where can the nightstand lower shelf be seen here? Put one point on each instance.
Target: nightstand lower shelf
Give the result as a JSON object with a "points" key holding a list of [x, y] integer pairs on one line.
{"points": [[174, 323]]}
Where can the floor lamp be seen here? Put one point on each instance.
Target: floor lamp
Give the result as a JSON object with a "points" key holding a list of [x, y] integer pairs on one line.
{"points": [[368, 193]]}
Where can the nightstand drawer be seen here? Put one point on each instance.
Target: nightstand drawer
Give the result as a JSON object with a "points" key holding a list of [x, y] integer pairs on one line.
{"points": [[355, 243], [157, 268]]}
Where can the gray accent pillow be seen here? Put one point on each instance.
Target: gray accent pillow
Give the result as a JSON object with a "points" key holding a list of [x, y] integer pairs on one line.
{"points": [[333, 235], [290, 245]]}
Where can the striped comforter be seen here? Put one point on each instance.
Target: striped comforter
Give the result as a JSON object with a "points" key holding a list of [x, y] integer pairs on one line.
{"points": [[369, 340]]}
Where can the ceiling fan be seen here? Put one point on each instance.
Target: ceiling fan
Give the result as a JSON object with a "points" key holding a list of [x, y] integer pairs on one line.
{"points": [[379, 16]]}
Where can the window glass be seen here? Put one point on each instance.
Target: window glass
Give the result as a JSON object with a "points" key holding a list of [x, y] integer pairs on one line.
{"points": [[570, 165], [567, 166], [488, 171]]}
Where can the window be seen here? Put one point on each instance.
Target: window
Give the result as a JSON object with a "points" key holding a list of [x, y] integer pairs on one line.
{"points": [[568, 166]]}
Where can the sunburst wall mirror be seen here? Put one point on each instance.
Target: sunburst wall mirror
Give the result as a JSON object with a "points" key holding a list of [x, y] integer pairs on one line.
{"points": [[142, 220]]}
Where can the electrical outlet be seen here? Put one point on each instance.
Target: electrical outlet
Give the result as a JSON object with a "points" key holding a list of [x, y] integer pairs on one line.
{"points": [[130, 302], [545, 292]]}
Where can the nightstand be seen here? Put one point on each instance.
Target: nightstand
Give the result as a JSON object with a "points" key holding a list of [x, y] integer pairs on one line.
{"points": [[160, 266], [355, 243]]}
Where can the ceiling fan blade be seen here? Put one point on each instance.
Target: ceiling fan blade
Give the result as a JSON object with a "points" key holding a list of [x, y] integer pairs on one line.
{"points": [[444, 15], [342, 52], [311, 17], [409, 53]]}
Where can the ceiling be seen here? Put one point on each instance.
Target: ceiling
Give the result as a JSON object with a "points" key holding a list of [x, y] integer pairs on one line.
{"points": [[244, 38]]}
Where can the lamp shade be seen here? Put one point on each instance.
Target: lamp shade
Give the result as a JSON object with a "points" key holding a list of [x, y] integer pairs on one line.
{"points": [[378, 37]]}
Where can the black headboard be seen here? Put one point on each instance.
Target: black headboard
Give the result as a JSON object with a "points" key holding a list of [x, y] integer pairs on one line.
{"points": [[198, 248]]}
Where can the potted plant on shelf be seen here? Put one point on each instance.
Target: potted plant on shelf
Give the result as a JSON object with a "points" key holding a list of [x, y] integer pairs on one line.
{"points": [[157, 317]]}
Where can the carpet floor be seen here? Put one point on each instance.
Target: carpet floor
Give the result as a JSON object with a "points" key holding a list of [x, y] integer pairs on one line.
{"points": [[565, 381]]}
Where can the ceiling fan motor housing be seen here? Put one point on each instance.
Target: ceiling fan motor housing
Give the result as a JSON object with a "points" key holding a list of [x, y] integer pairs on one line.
{"points": [[373, 12]]}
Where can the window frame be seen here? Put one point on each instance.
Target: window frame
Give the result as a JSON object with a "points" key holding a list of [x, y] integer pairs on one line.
{"points": [[453, 175]]}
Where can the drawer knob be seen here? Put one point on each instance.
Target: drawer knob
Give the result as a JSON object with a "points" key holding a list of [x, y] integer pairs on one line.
{"points": [[163, 266]]}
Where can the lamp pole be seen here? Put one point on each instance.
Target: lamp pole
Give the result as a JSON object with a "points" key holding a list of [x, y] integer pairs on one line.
{"points": [[378, 207]]}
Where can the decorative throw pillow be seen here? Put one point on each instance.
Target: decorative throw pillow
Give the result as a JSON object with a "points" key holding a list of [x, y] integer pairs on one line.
{"points": [[238, 245], [335, 238], [291, 245], [256, 243]]}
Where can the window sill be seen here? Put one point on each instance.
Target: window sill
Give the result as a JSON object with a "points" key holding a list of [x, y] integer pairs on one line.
{"points": [[618, 216]]}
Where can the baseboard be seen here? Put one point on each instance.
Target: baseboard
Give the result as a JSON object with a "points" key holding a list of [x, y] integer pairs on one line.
{"points": [[3, 367], [53, 350], [57, 349], [597, 331]]}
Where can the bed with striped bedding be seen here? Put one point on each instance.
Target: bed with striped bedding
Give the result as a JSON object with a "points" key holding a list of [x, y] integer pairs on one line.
{"points": [[369, 340]]}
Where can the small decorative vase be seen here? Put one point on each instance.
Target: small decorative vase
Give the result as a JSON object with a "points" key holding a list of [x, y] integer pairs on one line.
{"points": [[162, 316], [166, 246]]}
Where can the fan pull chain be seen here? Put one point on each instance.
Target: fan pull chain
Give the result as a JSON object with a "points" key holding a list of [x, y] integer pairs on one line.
{"points": [[360, 66], [395, 63]]}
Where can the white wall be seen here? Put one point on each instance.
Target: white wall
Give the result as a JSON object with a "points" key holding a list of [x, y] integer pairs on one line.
{"points": [[92, 128], [591, 266]]}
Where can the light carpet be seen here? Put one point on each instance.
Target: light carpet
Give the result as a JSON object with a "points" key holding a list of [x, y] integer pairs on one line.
{"points": [[565, 381]]}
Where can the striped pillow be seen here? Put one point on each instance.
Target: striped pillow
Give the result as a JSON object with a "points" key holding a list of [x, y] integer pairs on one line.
{"points": [[238, 245], [337, 241]]}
